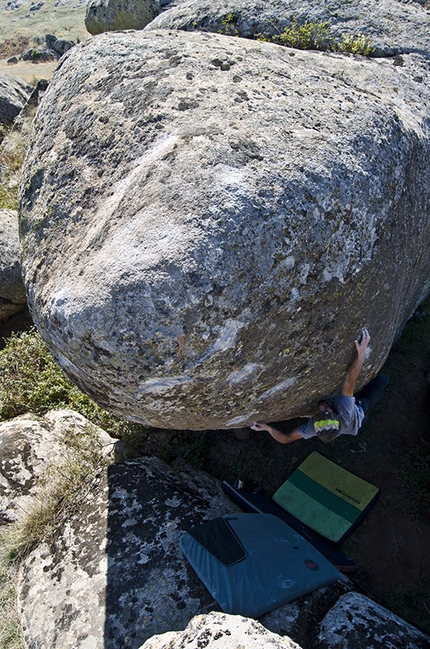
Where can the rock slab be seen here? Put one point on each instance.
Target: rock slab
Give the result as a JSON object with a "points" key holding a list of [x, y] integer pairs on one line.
{"points": [[116, 575], [11, 285], [221, 631], [207, 222]]}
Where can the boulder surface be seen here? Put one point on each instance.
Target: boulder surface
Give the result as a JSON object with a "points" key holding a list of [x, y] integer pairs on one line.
{"points": [[12, 290], [11, 285], [110, 15], [14, 94], [208, 221], [356, 622], [115, 575], [219, 630], [392, 27]]}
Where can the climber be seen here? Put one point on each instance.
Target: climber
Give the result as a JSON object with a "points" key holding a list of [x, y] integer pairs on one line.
{"points": [[340, 415]]}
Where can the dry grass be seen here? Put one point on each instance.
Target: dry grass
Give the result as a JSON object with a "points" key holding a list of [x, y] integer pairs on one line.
{"points": [[29, 72], [10, 630], [65, 21], [61, 489], [12, 149]]}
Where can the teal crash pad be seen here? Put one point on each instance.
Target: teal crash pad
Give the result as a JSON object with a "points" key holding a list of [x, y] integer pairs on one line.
{"points": [[253, 563]]}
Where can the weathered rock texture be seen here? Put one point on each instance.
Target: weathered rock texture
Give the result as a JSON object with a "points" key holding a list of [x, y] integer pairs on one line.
{"points": [[14, 94], [110, 15], [116, 575], [247, 18], [12, 291], [221, 631], [208, 221], [29, 445], [356, 622]]}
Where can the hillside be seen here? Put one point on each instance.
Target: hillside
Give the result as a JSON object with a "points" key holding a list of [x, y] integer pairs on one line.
{"points": [[22, 24]]}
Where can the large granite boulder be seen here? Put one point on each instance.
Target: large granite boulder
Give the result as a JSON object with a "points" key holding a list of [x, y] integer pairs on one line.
{"points": [[110, 15], [14, 94], [12, 290], [208, 221], [391, 26]]}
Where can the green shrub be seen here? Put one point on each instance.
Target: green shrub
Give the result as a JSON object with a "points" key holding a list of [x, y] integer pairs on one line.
{"points": [[317, 36], [355, 45], [309, 36], [31, 381], [229, 26]]}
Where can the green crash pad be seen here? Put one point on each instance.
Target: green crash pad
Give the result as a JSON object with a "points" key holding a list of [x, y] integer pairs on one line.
{"points": [[326, 498]]}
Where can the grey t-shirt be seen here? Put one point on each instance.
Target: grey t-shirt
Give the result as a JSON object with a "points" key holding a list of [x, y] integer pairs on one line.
{"points": [[351, 418]]}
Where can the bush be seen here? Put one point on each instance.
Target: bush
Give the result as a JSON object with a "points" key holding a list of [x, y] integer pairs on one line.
{"points": [[31, 381], [317, 36]]}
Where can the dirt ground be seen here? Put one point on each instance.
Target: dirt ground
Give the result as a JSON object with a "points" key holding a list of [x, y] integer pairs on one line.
{"points": [[392, 451]]}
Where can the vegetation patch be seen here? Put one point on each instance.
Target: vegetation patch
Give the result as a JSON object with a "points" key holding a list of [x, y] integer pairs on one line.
{"points": [[229, 26], [12, 149], [10, 629], [318, 36], [14, 46], [31, 381], [61, 488], [11, 159]]}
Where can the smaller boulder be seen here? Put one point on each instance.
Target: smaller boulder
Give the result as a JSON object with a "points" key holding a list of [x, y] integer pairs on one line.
{"points": [[62, 46], [12, 61], [50, 40], [115, 574], [112, 15], [356, 622], [14, 94], [11, 285], [35, 55], [28, 446], [220, 629], [59, 46]]}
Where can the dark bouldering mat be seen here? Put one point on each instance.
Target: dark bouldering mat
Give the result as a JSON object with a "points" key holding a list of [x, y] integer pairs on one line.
{"points": [[278, 564], [260, 504], [326, 497]]}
